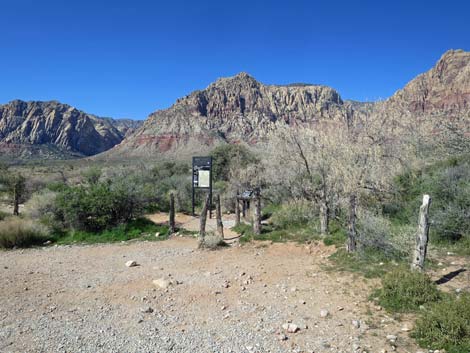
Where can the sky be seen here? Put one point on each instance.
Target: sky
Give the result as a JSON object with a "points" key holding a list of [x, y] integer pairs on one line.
{"points": [[126, 59]]}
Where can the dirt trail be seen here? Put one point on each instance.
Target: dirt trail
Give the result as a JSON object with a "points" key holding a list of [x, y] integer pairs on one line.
{"points": [[84, 298], [192, 223]]}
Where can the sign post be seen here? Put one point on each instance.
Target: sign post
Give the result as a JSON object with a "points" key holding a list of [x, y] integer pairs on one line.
{"points": [[202, 179]]}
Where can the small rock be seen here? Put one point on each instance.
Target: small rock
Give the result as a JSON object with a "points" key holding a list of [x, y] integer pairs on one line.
{"points": [[131, 263], [340, 308], [293, 289], [147, 310], [157, 234], [282, 337], [324, 313], [356, 323], [392, 338], [406, 328], [290, 327], [161, 283]]}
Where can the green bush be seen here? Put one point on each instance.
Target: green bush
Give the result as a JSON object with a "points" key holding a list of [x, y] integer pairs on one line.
{"points": [[137, 228], [18, 232], [445, 325], [41, 206], [3, 215], [376, 234], [448, 184], [293, 213], [99, 206], [404, 290], [226, 157]]}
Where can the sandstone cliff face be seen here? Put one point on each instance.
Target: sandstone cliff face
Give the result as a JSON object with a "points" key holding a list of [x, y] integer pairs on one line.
{"points": [[443, 89], [55, 130], [235, 109]]}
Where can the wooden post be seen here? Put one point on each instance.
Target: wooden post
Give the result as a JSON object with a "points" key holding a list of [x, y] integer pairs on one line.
{"points": [[351, 246], [237, 211], [220, 225], [172, 213], [324, 218], [16, 199], [257, 214], [244, 209], [419, 255], [202, 224]]}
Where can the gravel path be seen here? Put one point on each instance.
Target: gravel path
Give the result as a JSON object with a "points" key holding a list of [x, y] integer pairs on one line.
{"points": [[84, 299]]}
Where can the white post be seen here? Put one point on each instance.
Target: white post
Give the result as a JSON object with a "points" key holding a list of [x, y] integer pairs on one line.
{"points": [[419, 255]]}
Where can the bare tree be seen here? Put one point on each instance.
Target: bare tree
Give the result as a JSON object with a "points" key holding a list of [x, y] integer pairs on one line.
{"points": [[302, 161]]}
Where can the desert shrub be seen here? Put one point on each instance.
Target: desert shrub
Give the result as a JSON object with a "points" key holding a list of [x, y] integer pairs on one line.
{"points": [[137, 228], [166, 177], [445, 325], [226, 157], [92, 175], [375, 234], [293, 213], [99, 206], [212, 241], [41, 205], [448, 184], [15, 231], [3, 215], [404, 290]]}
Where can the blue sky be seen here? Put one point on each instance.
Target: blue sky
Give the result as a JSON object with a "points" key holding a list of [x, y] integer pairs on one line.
{"points": [[129, 58]]}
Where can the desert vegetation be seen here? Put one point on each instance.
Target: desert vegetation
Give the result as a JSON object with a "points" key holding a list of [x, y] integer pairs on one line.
{"points": [[356, 184]]}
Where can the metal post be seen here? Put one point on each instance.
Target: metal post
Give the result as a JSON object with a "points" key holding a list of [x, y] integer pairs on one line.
{"points": [[192, 189], [210, 191]]}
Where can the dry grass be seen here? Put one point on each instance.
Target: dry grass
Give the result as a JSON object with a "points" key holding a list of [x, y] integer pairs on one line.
{"points": [[18, 232]]}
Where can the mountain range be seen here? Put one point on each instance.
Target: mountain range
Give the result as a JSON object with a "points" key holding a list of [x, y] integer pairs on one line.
{"points": [[237, 109]]}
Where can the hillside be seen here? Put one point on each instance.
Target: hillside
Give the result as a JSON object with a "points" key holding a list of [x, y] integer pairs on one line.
{"points": [[240, 109], [55, 130], [234, 110]]}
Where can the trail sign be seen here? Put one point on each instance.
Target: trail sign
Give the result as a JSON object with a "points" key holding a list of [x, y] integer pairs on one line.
{"points": [[202, 177]]}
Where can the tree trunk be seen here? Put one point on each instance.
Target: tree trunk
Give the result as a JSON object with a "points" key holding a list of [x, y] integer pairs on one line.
{"points": [[419, 255], [202, 224], [220, 225], [237, 211], [16, 199], [351, 246], [257, 214], [172, 213], [324, 218]]}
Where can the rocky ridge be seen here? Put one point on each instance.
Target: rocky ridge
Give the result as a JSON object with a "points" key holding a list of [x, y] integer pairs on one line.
{"points": [[52, 129], [240, 109], [234, 110]]}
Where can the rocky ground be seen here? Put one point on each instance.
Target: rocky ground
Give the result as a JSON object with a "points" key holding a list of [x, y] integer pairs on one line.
{"points": [[256, 298]]}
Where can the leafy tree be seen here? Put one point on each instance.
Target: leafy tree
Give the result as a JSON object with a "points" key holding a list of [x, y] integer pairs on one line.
{"points": [[227, 157]]}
